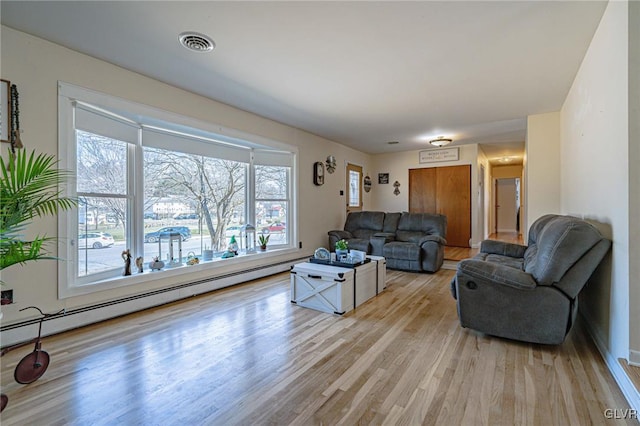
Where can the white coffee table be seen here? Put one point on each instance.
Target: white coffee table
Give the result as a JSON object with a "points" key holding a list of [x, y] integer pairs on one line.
{"points": [[333, 289]]}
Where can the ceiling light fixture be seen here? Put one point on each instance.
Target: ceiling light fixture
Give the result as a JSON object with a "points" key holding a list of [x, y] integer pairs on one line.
{"points": [[441, 141], [196, 42]]}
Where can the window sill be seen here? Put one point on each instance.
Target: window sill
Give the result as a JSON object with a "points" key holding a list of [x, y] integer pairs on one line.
{"points": [[186, 273]]}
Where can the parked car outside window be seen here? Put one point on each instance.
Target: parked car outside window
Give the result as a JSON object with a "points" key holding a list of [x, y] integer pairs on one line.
{"points": [[95, 240], [274, 227], [182, 216], [153, 237]]}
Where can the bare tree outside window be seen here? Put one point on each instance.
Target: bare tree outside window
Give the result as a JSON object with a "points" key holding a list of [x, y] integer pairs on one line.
{"points": [[214, 185]]}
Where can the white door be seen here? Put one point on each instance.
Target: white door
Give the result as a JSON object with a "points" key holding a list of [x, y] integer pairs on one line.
{"points": [[506, 205]]}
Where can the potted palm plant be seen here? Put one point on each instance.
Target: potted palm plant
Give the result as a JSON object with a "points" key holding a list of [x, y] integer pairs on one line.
{"points": [[30, 187]]}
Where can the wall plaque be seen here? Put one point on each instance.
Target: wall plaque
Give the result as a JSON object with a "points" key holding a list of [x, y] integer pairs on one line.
{"points": [[442, 154]]}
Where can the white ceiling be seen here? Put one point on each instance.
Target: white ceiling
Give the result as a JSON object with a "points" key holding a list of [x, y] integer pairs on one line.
{"points": [[358, 73]]}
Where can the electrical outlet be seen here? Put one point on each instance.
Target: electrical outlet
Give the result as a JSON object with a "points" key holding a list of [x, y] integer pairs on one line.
{"points": [[299, 244], [7, 297], [341, 192]]}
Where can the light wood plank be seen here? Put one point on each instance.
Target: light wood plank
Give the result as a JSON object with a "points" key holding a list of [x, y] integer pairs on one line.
{"points": [[246, 355]]}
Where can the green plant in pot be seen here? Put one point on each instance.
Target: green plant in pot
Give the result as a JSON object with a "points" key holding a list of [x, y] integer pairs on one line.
{"points": [[30, 187], [263, 240], [342, 248]]}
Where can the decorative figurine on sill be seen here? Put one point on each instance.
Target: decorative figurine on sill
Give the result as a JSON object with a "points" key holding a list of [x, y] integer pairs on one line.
{"points": [[126, 256], [233, 245], [156, 264], [192, 259], [139, 264], [227, 254]]}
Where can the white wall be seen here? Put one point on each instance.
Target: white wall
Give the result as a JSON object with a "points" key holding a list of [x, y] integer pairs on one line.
{"points": [[398, 165], [542, 171], [595, 175], [634, 181], [36, 66], [599, 181]]}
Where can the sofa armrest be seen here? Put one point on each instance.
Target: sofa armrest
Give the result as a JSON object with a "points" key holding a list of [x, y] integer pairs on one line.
{"points": [[378, 240], [496, 273], [435, 238], [340, 234], [502, 248]]}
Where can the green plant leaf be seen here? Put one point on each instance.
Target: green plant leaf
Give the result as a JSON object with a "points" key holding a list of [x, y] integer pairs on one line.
{"points": [[30, 186]]}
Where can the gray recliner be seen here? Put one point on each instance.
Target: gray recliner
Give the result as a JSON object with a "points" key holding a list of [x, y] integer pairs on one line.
{"points": [[529, 293], [418, 242]]}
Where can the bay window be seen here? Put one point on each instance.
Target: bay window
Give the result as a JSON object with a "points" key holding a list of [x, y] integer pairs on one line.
{"points": [[142, 175]]}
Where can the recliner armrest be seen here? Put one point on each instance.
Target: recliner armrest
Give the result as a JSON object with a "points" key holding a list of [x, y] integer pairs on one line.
{"points": [[389, 236], [378, 240], [435, 238], [340, 234], [502, 248], [496, 273]]}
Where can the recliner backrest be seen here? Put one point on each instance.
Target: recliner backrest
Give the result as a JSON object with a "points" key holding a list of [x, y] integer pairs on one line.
{"points": [[412, 226], [391, 222], [364, 224], [558, 244]]}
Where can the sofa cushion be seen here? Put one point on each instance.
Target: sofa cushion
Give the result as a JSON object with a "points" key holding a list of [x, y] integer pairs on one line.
{"points": [[401, 250], [391, 222], [360, 244]]}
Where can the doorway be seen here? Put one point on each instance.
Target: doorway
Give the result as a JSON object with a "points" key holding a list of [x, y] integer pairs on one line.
{"points": [[507, 205], [354, 188]]}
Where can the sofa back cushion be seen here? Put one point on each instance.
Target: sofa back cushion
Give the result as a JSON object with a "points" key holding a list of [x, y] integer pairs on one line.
{"points": [[413, 226], [391, 222], [558, 244], [364, 224]]}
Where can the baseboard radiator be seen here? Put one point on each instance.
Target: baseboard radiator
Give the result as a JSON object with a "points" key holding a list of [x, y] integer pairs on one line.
{"points": [[25, 331]]}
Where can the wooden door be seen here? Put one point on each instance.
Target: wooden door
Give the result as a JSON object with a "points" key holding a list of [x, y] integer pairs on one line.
{"points": [[354, 188], [453, 189], [447, 191], [422, 190]]}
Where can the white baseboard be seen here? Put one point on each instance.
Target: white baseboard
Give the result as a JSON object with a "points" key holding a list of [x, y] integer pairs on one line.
{"points": [[619, 375], [634, 358]]}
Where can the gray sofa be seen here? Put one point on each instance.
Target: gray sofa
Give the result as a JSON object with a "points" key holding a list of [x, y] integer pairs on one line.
{"points": [[529, 293], [408, 241]]}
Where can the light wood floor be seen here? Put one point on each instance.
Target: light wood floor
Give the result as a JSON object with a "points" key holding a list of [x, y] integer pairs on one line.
{"points": [[246, 355], [459, 253]]}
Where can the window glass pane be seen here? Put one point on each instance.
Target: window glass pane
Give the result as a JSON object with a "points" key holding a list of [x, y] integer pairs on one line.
{"points": [[272, 204], [354, 188], [204, 195], [102, 164], [271, 217], [101, 234], [271, 182]]}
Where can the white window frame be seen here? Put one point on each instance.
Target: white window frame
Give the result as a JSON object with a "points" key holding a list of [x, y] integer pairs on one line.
{"points": [[151, 118]]}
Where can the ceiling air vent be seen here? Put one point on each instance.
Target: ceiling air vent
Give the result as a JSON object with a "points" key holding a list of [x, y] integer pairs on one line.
{"points": [[196, 42]]}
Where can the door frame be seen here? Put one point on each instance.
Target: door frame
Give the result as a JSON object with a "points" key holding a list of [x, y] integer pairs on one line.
{"points": [[357, 168]]}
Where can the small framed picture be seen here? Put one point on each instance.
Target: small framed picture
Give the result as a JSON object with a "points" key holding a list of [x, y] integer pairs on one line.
{"points": [[5, 111], [383, 178]]}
